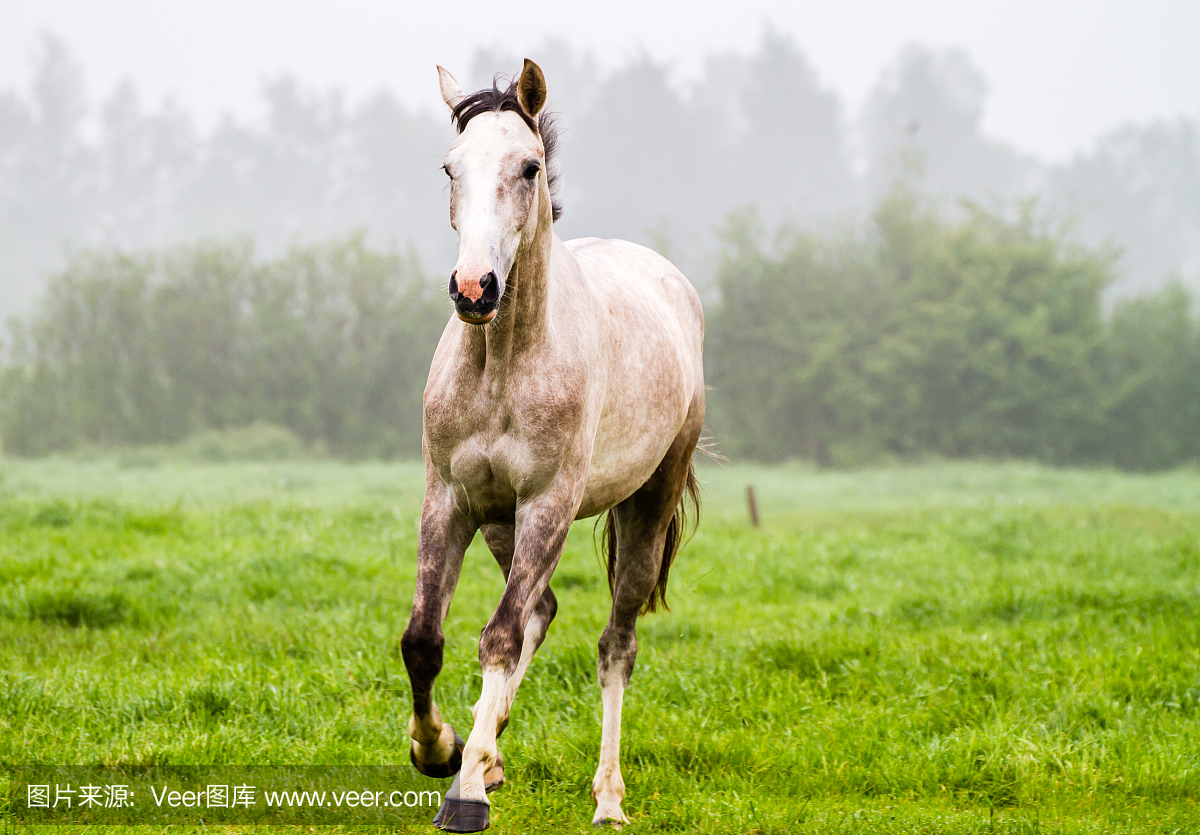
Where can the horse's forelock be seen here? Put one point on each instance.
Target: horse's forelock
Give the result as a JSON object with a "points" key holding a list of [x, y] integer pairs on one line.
{"points": [[496, 100]]}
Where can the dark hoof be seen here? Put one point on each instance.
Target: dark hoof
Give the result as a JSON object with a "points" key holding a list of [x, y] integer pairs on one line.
{"points": [[608, 823], [439, 770], [460, 815]]}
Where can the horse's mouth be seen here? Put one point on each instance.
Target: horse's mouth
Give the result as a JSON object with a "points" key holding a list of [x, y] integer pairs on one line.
{"points": [[477, 320]]}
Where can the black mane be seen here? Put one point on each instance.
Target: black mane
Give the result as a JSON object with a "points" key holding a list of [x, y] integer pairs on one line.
{"points": [[497, 101]]}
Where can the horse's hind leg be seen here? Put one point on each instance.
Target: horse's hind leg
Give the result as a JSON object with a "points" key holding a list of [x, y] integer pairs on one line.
{"points": [[643, 524], [501, 540], [436, 750]]}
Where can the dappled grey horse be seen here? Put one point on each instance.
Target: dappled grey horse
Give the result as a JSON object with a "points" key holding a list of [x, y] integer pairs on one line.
{"points": [[569, 384]]}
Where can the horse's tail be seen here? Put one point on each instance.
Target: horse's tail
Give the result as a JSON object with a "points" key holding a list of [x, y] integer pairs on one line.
{"points": [[687, 512]]}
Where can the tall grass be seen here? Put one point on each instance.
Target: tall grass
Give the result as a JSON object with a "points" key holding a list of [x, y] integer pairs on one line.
{"points": [[865, 664]]}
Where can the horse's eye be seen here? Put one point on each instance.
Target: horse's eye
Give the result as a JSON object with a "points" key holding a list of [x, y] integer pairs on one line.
{"points": [[448, 174], [531, 170]]}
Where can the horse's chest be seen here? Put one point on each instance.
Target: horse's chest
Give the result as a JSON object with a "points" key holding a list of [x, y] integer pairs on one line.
{"points": [[489, 473], [492, 451]]}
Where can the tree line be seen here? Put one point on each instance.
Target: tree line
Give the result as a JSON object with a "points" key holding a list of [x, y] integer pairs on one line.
{"points": [[330, 341], [912, 334]]}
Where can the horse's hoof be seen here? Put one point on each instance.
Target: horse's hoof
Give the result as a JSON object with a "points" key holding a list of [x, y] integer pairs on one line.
{"points": [[461, 815], [609, 816], [439, 770], [494, 778], [608, 823]]}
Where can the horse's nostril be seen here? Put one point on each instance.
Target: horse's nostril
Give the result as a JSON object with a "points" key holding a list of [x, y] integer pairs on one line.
{"points": [[454, 294], [489, 285]]}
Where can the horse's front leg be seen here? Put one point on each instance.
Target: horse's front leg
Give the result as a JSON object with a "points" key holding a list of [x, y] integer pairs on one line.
{"points": [[505, 649], [502, 541], [436, 750]]}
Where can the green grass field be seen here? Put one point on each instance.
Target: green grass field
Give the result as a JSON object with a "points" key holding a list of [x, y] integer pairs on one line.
{"points": [[948, 648]]}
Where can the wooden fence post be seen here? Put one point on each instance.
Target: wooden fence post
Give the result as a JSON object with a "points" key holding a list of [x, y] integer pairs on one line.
{"points": [[753, 504]]}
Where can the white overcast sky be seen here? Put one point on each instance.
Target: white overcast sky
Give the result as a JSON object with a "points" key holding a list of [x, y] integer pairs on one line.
{"points": [[1061, 72]]}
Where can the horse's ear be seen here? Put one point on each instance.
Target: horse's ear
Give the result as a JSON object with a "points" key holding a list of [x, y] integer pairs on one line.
{"points": [[452, 94], [531, 89]]}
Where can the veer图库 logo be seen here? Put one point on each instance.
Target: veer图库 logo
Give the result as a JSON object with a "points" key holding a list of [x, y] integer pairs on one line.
{"points": [[220, 794]]}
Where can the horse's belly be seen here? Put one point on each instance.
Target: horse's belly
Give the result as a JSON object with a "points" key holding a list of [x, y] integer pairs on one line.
{"points": [[606, 488], [629, 448]]}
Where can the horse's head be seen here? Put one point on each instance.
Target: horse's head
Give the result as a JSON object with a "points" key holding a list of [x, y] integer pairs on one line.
{"points": [[499, 185]]}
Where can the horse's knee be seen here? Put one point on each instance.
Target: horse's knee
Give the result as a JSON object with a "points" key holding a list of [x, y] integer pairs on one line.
{"points": [[618, 652], [500, 644], [422, 649]]}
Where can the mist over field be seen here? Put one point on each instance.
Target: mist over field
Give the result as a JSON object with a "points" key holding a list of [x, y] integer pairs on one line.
{"points": [[644, 157], [948, 292]]}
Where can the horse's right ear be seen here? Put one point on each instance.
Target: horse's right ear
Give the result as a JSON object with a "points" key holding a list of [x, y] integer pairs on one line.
{"points": [[452, 94]]}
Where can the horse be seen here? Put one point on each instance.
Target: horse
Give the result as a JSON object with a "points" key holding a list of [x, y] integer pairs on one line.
{"points": [[569, 383]]}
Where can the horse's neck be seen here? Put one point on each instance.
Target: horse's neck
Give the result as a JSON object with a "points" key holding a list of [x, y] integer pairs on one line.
{"points": [[523, 323]]}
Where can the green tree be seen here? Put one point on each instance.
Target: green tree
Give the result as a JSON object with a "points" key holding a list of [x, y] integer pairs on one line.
{"points": [[331, 341], [1152, 397], [917, 336]]}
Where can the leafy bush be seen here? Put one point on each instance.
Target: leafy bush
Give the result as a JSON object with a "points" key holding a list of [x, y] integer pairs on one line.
{"points": [[919, 336], [331, 342], [1152, 393]]}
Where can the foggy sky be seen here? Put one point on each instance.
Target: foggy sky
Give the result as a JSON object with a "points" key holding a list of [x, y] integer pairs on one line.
{"points": [[1061, 72]]}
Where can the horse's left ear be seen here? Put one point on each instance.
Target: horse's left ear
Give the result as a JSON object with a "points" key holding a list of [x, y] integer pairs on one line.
{"points": [[531, 89]]}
